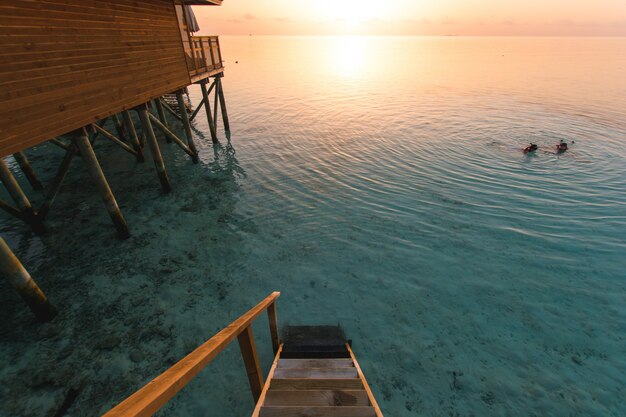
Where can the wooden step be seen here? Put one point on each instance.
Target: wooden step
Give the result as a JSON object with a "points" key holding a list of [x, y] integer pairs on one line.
{"points": [[317, 412], [292, 384], [315, 363], [317, 398], [322, 373]]}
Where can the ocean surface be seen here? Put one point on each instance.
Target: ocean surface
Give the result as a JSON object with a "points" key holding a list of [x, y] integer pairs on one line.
{"points": [[378, 183]]}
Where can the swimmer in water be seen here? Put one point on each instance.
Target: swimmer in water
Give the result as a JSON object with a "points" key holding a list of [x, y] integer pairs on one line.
{"points": [[531, 148], [561, 146]]}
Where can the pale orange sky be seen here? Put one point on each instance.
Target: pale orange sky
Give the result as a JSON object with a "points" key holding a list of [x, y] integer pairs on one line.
{"points": [[415, 17]]}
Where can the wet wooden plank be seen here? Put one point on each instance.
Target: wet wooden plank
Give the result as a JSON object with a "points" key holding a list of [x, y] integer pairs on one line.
{"points": [[315, 363], [317, 398], [315, 384], [317, 412], [321, 373]]}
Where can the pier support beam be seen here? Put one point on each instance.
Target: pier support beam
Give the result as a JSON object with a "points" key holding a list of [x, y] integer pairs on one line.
{"points": [[132, 133], [55, 185], [161, 114], [13, 270], [28, 213], [28, 170], [148, 131], [119, 127], [207, 107], [220, 93], [81, 139], [184, 116]]}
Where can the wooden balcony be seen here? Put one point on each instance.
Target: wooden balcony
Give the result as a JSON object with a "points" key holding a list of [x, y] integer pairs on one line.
{"points": [[206, 57]]}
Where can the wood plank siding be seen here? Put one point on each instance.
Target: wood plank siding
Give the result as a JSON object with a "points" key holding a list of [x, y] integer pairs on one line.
{"points": [[69, 63]]}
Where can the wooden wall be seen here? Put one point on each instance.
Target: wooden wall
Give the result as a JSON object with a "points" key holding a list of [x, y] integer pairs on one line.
{"points": [[68, 63]]}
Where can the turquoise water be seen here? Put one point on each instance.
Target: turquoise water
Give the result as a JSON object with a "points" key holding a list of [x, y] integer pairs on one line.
{"points": [[375, 182]]}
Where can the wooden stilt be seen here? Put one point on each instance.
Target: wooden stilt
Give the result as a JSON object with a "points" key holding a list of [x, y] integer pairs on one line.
{"points": [[169, 134], [215, 98], [160, 111], [81, 140], [223, 106], [132, 133], [154, 147], [55, 185], [119, 127], [20, 199], [28, 170], [161, 114], [186, 125], [207, 106], [115, 140], [13, 270], [59, 143], [251, 361], [171, 111]]}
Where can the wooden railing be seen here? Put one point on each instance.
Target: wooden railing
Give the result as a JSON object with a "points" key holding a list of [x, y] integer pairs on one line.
{"points": [[206, 56], [154, 395]]}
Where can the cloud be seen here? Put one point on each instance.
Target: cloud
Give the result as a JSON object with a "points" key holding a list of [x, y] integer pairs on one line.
{"points": [[282, 19], [249, 16]]}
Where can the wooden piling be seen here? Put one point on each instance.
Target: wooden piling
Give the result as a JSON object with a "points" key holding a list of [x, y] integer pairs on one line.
{"points": [[161, 114], [154, 147], [119, 127], [81, 139], [132, 133], [55, 185], [187, 125], [13, 270], [28, 170], [223, 105], [20, 199], [207, 107]]}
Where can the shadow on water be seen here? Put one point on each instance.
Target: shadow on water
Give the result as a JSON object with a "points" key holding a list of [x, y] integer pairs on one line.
{"points": [[129, 309]]}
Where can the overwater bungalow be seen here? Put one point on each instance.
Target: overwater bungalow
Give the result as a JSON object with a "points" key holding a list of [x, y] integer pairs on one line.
{"points": [[69, 65], [76, 70]]}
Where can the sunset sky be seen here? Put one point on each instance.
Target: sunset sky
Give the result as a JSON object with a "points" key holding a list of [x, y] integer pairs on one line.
{"points": [[415, 17]]}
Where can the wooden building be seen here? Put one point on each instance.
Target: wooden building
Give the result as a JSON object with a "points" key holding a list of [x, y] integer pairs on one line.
{"points": [[69, 63], [73, 69]]}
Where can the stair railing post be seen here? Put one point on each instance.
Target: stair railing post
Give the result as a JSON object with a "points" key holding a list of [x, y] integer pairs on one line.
{"points": [[273, 319], [251, 361]]}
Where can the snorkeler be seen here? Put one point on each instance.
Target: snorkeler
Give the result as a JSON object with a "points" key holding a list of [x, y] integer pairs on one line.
{"points": [[531, 148], [561, 146]]}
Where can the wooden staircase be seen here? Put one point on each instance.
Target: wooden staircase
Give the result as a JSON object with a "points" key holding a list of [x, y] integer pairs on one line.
{"points": [[313, 378], [314, 373]]}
